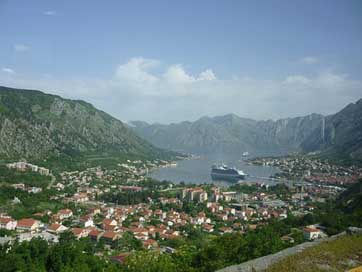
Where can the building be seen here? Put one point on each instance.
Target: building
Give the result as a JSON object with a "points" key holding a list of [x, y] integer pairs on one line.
{"points": [[207, 227], [228, 196], [95, 235], [43, 171], [80, 198], [194, 194], [65, 213], [28, 224], [56, 228], [80, 232], [7, 223], [23, 166], [87, 221], [311, 233], [150, 244], [224, 230], [119, 258], [109, 237]]}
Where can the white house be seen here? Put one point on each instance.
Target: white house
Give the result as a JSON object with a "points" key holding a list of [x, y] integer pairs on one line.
{"points": [[7, 223], [28, 224], [87, 221], [57, 228], [311, 233], [65, 213]]}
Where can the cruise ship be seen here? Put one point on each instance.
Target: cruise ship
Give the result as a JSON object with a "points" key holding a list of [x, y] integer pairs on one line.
{"points": [[224, 172]]}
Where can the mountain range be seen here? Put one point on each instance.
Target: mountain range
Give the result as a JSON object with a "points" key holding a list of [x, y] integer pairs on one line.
{"points": [[42, 127], [50, 129], [338, 134]]}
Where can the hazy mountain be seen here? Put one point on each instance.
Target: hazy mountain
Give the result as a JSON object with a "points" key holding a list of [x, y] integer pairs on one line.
{"points": [[340, 134], [35, 125], [231, 133]]}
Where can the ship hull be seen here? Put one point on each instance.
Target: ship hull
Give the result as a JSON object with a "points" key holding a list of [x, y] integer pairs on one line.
{"points": [[227, 177]]}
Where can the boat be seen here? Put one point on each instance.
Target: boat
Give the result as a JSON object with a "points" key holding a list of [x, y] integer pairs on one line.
{"points": [[245, 154], [223, 172]]}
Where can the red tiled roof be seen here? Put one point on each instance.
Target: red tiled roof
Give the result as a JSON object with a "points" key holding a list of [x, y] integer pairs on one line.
{"points": [[65, 211], [108, 221], [94, 233], [109, 234], [26, 222], [207, 226], [108, 227], [149, 242], [311, 230], [120, 258], [54, 226], [77, 231], [5, 220]]}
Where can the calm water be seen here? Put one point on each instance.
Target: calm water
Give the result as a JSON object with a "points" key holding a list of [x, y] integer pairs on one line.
{"points": [[198, 170]]}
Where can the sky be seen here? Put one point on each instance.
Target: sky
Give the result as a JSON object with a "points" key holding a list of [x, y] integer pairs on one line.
{"points": [[170, 61]]}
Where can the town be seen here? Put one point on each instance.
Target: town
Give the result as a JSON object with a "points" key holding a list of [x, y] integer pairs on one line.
{"points": [[306, 168], [123, 210]]}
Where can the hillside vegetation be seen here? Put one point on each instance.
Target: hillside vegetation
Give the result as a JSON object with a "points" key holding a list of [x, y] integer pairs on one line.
{"points": [[55, 131], [339, 255]]}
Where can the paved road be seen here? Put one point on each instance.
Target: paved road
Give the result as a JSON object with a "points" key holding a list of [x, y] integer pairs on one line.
{"points": [[51, 181]]}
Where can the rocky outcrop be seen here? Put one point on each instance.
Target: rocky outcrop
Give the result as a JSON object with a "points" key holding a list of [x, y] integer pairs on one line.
{"points": [[262, 263]]}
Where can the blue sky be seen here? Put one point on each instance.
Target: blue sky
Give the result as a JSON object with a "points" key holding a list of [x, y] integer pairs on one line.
{"points": [[258, 59]]}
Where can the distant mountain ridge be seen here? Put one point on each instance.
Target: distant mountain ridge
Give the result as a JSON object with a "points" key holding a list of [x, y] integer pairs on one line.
{"points": [[38, 126], [230, 133], [339, 133]]}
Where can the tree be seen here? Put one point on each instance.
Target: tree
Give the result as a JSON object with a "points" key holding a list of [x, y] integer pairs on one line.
{"points": [[148, 261]]}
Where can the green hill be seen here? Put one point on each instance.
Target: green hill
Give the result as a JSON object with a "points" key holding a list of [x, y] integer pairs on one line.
{"points": [[51, 130]]}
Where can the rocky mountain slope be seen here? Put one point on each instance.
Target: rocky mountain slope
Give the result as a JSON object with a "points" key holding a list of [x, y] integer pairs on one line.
{"points": [[231, 133], [339, 134], [36, 126]]}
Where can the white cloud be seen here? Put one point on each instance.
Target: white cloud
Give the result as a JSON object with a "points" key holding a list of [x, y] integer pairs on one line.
{"points": [[297, 79], [146, 89], [309, 60], [21, 48], [49, 13], [207, 75], [8, 70], [136, 71], [177, 74]]}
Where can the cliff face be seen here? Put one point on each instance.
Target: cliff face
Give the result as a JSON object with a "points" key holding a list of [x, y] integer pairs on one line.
{"points": [[337, 136], [340, 134], [34, 125], [231, 133]]}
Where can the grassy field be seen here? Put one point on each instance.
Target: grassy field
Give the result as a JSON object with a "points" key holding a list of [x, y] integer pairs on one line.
{"points": [[341, 254]]}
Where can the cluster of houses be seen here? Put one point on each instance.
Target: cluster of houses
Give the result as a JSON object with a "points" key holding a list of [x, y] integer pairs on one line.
{"points": [[130, 171], [313, 170], [29, 189], [150, 222], [23, 225]]}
